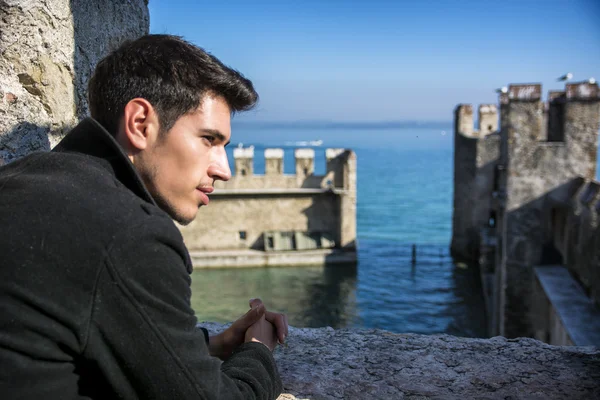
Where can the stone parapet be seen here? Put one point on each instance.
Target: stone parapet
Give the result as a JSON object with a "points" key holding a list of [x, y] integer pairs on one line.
{"points": [[324, 363]]}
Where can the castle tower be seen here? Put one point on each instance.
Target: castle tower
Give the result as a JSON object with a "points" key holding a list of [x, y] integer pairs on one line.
{"points": [[475, 156], [273, 162], [544, 155], [244, 161]]}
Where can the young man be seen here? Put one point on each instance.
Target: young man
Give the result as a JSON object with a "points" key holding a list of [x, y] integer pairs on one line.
{"points": [[95, 277]]}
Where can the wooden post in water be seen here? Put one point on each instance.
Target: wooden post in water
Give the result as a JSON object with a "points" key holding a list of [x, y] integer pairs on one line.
{"points": [[414, 254]]}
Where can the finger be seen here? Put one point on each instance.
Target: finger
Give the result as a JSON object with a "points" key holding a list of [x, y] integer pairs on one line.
{"points": [[255, 302], [251, 317], [279, 321]]}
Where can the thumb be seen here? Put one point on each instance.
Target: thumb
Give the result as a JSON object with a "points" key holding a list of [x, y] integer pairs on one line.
{"points": [[252, 316]]}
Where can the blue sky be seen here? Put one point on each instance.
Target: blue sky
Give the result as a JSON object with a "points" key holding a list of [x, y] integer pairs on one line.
{"points": [[387, 60]]}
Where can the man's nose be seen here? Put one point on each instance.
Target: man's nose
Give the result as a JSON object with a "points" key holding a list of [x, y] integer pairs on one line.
{"points": [[218, 169]]}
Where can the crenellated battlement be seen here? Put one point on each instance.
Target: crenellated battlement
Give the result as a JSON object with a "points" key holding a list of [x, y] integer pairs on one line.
{"points": [[336, 178], [545, 121], [487, 120], [274, 162], [549, 121]]}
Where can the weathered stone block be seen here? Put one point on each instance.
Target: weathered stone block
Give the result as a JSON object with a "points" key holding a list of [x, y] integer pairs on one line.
{"points": [[49, 50], [351, 364], [525, 92]]}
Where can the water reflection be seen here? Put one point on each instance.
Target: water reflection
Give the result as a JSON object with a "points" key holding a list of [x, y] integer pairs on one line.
{"points": [[310, 296], [385, 291], [468, 308]]}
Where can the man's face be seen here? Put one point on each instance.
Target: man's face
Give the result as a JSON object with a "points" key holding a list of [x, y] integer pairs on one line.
{"points": [[180, 167]]}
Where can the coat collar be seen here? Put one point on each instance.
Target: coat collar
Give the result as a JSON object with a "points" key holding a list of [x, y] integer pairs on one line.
{"points": [[90, 138]]}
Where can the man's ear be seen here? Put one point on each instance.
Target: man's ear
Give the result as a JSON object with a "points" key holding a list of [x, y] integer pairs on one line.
{"points": [[139, 127]]}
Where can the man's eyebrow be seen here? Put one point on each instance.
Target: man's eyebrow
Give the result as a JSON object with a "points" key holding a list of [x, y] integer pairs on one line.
{"points": [[216, 133]]}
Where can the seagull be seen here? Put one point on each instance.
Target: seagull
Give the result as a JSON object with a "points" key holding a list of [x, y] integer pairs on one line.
{"points": [[566, 77], [591, 81], [503, 89]]}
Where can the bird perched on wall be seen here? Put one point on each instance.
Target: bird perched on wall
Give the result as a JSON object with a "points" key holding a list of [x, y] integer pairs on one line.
{"points": [[503, 89], [567, 77]]}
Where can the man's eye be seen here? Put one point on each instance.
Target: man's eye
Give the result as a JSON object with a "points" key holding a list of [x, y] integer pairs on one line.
{"points": [[209, 138]]}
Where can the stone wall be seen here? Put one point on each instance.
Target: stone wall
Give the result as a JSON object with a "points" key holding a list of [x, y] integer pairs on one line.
{"points": [[536, 168], [476, 155], [544, 154], [49, 50], [576, 235], [351, 364], [248, 205], [219, 224]]}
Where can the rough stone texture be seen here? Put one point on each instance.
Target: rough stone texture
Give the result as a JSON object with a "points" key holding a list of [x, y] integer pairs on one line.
{"points": [[255, 204], [49, 49], [324, 363]]}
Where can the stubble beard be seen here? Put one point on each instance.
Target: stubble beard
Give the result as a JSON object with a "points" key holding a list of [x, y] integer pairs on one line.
{"points": [[150, 175]]}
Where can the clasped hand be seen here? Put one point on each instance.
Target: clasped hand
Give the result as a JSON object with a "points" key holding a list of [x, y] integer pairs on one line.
{"points": [[257, 325]]}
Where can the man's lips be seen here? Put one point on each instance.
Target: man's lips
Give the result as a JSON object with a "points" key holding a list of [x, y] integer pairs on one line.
{"points": [[206, 189], [204, 192]]}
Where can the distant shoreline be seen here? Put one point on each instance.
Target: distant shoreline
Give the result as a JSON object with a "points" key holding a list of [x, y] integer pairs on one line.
{"points": [[342, 125]]}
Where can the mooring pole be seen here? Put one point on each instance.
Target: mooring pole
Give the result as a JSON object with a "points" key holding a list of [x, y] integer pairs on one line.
{"points": [[414, 254]]}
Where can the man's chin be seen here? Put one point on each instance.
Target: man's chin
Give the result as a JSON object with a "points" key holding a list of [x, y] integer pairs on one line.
{"points": [[183, 220], [175, 214]]}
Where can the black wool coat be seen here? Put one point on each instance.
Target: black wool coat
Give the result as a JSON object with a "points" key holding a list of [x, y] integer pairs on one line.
{"points": [[95, 287]]}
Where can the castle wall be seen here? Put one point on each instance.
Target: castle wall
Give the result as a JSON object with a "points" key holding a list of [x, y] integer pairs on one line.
{"points": [[524, 177], [536, 168], [476, 154], [577, 237], [242, 209], [218, 226], [49, 50]]}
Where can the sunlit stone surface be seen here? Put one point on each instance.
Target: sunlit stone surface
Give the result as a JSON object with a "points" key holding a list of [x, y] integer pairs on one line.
{"points": [[324, 363]]}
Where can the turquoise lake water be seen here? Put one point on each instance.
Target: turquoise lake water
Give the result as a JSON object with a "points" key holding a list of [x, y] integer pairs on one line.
{"points": [[405, 183]]}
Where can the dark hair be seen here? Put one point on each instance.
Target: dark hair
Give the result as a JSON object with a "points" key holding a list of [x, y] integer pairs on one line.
{"points": [[171, 73]]}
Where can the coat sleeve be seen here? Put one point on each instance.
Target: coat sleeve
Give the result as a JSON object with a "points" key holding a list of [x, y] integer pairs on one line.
{"points": [[143, 338]]}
